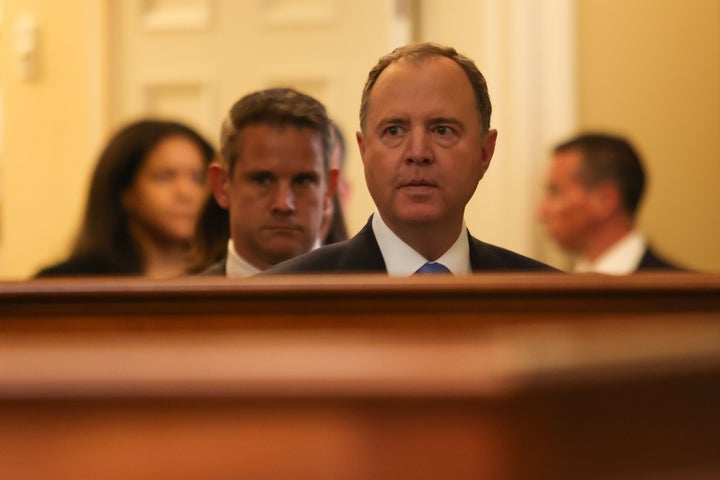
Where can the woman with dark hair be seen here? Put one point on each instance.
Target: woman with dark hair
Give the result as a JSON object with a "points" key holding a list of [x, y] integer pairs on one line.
{"points": [[145, 197]]}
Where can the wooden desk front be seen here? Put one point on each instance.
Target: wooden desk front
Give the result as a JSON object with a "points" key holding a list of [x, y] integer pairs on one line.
{"points": [[488, 376]]}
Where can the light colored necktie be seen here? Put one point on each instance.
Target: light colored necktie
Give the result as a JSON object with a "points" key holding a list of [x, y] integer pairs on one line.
{"points": [[432, 267]]}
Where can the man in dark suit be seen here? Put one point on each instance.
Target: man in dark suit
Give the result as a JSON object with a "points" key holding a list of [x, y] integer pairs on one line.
{"points": [[595, 185], [425, 142], [274, 177]]}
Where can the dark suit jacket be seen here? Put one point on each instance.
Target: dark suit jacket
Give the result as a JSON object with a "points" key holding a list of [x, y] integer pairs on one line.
{"points": [[362, 254], [84, 267], [219, 268], [652, 261]]}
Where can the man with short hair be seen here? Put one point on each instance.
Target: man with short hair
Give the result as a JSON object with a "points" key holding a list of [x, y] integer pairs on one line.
{"points": [[594, 188], [274, 177], [425, 143]]}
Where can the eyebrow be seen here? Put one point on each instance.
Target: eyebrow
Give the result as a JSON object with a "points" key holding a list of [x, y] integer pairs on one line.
{"points": [[256, 173], [433, 121], [307, 173], [393, 121], [446, 120]]}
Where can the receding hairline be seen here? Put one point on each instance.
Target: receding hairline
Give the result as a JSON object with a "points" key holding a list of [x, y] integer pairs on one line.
{"points": [[419, 54]]}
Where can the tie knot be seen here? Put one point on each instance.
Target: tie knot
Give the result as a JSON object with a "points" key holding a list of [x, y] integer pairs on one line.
{"points": [[433, 267]]}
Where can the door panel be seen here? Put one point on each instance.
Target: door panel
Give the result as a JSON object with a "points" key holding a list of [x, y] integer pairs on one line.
{"points": [[192, 59]]}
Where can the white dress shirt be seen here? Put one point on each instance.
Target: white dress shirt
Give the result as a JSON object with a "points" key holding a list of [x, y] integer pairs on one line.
{"points": [[401, 260], [621, 259], [237, 266]]}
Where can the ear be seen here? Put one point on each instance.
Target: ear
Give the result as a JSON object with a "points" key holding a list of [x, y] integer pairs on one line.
{"points": [[333, 175], [219, 180], [361, 144], [606, 200], [487, 150], [328, 204]]}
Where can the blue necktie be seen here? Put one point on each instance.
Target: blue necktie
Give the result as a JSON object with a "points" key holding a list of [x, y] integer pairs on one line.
{"points": [[432, 267]]}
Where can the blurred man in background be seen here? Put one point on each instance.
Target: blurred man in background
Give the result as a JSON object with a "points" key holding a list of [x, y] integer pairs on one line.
{"points": [[594, 188]]}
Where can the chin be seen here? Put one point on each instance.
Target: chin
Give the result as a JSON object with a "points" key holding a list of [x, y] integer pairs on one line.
{"points": [[287, 251], [419, 216], [182, 232], [181, 237]]}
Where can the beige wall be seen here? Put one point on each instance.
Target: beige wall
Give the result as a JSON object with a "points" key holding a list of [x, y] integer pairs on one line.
{"points": [[650, 69], [50, 126]]}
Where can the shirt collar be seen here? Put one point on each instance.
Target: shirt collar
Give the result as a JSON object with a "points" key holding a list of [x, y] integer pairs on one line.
{"points": [[236, 266], [620, 259], [402, 260]]}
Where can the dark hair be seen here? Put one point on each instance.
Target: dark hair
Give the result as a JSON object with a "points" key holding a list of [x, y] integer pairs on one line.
{"points": [[416, 53], [609, 158], [275, 106], [104, 235], [212, 233], [339, 142], [338, 230]]}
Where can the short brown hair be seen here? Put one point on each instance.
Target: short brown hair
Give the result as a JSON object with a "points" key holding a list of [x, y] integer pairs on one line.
{"points": [[609, 158], [276, 107], [417, 52]]}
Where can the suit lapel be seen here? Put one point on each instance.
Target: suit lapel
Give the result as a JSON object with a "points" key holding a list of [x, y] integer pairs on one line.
{"points": [[482, 257], [362, 252]]}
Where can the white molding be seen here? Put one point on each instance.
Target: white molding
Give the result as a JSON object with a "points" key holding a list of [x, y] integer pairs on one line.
{"points": [[318, 79], [528, 60], [400, 23], [298, 13], [149, 83], [180, 17]]}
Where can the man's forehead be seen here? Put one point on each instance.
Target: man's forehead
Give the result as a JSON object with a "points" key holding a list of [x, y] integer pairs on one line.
{"points": [[442, 81], [402, 65], [567, 166], [568, 159], [279, 164], [277, 126]]}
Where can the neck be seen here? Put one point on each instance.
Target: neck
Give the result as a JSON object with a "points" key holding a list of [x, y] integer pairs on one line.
{"points": [[161, 259], [166, 263], [429, 240], [601, 240]]}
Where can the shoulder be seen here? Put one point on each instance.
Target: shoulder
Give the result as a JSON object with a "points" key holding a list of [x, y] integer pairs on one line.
{"points": [[216, 269], [487, 257], [76, 267], [652, 261], [324, 259], [358, 254]]}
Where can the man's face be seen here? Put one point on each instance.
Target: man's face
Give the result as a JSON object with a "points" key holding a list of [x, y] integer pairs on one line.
{"points": [[277, 193], [569, 208], [422, 146]]}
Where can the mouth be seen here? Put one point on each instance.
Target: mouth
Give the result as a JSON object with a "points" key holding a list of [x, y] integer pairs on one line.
{"points": [[283, 229], [419, 186]]}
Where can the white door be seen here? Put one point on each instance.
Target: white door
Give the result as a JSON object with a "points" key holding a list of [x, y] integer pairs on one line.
{"points": [[192, 59]]}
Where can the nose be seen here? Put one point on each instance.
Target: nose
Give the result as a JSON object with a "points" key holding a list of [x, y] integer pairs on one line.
{"points": [[419, 147], [188, 188], [283, 201]]}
